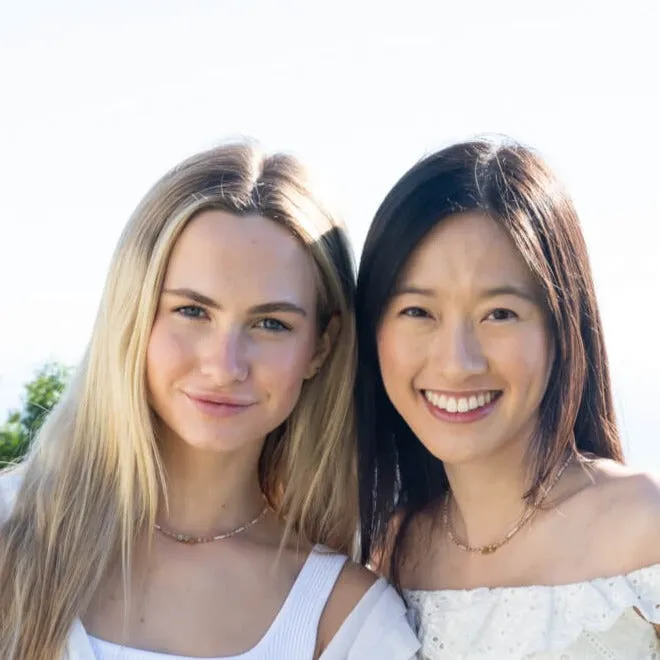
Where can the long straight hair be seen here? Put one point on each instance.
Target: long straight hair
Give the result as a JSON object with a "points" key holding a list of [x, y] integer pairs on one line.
{"points": [[91, 484], [512, 185]]}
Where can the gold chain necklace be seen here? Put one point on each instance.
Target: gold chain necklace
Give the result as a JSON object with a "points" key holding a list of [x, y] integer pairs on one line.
{"points": [[490, 548], [194, 540]]}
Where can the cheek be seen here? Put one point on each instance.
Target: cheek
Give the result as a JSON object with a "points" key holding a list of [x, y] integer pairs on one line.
{"points": [[398, 357], [167, 354], [279, 373], [284, 365], [528, 361]]}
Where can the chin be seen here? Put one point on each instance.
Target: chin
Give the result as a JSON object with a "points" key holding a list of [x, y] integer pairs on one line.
{"points": [[215, 445], [458, 451]]}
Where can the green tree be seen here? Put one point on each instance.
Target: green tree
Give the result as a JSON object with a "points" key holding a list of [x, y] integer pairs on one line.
{"points": [[41, 394]]}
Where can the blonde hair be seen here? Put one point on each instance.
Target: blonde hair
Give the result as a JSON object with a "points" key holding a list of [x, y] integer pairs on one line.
{"points": [[92, 479]]}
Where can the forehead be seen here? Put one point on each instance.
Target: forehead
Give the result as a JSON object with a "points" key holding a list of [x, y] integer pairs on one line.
{"points": [[467, 250], [242, 254]]}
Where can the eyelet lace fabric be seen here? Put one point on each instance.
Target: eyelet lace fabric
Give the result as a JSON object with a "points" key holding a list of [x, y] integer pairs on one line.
{"points": [[595, 620]]}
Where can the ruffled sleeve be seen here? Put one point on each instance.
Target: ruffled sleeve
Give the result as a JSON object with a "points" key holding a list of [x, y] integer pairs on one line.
{"points": [[376, 628], [519, 622]]}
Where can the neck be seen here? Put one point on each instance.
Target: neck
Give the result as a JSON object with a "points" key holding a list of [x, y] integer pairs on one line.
{"points": [[487, 497], [209, 492]]}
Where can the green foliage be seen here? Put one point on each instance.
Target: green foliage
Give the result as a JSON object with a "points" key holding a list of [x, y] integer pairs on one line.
{"points": [[41, 394]]}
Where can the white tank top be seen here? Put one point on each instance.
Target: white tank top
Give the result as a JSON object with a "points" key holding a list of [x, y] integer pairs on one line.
{"points": [[292, 635]]}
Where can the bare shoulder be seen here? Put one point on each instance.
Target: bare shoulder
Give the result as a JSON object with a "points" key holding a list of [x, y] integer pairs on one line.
{"points": [[352, 584], [625, 488], [629, 504]]}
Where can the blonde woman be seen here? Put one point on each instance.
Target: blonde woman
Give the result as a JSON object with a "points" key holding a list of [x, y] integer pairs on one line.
{"points": [[193, 495]]}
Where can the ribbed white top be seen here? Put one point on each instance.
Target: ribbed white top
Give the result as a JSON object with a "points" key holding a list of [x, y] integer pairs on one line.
{"points": [[292, 635], [376, 628]]}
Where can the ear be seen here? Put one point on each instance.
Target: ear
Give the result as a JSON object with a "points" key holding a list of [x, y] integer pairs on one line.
{"points": [[324, 345]]}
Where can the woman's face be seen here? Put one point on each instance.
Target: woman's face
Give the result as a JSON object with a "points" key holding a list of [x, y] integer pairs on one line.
{"points": [[235, 334], [464, 345]]}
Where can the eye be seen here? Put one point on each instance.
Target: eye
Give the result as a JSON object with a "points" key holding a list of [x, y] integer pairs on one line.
{"points": [[502, 314], [415, 313], [191, 312], [272, 325]]}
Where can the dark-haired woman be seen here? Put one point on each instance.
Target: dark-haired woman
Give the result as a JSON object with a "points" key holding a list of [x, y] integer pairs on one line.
{"points": [[493, 486]]}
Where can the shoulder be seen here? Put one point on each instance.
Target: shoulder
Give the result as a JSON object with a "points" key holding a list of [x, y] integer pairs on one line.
{"points": [[364, 615], [352, 584], [629, 494], [639, 511], [628, 504]]}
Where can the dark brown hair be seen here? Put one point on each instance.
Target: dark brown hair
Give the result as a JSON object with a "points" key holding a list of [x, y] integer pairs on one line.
{"points": [[514, 186]]}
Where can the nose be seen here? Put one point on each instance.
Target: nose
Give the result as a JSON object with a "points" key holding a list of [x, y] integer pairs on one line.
{"points": [[225, 358], [458, 353]]}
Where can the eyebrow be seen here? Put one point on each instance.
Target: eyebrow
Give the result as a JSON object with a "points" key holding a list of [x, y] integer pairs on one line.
{"points": [[413, 290], [503, 290], [509, 290], [263, 308]]}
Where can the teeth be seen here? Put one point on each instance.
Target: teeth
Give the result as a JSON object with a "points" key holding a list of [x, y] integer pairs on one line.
{"points": [[458, 404]]}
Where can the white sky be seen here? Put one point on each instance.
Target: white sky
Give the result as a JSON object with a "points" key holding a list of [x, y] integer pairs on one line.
{"points": [[99, 99]]}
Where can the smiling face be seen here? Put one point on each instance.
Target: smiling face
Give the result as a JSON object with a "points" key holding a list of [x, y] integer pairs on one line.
{"points": [[464, 346], [235, 334]]}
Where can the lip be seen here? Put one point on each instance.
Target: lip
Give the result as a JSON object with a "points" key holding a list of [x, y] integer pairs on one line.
{"points": [[464, 417], [219, 405]]}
